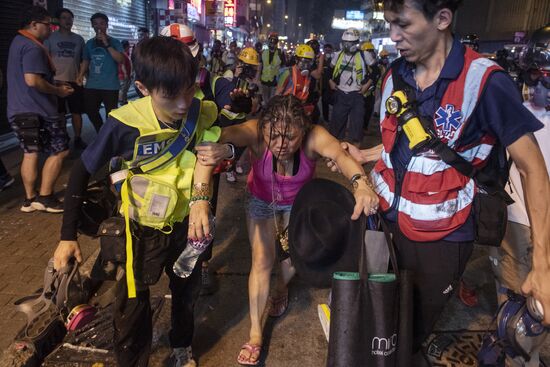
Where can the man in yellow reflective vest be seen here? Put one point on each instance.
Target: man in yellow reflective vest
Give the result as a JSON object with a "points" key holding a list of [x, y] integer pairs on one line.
{"points": [[350, 82], [165, 195], [271, 61]]}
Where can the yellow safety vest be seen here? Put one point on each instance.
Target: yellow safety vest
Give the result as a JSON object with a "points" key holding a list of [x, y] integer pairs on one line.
{"points": [[358, 67], [270, 71], [158, 198]]}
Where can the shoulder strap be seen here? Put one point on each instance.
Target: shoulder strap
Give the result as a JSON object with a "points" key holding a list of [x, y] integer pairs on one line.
{"points": [[178, 144], [339, 70], [398, 81], [446, 153], [365, 65]]}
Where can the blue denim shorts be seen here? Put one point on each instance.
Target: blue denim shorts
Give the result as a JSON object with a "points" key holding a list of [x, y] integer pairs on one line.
{"points": [[259, 209]]}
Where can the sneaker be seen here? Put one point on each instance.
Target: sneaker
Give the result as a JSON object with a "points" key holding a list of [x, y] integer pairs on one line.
{"points": [[183, 357], [79, 143], [467, 296], [206, 282], [48, 204], [230, 176], [27, 205], [6, 181], [239, 169]]}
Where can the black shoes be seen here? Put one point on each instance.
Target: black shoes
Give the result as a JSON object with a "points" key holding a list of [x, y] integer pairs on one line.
{"points": [[49, 204]]}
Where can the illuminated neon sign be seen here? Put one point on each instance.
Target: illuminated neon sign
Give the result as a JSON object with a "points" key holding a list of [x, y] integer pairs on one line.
{"points": [[229, 12]]}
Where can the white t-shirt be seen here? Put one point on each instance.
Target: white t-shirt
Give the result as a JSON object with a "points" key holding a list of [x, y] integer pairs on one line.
{"points": [[348, 78], [517, 212], [66, 52]]}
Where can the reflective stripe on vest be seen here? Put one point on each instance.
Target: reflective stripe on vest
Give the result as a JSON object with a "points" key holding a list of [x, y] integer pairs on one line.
{"points": [[297, 85], [435, 198], [270, 70], [358, 67]]}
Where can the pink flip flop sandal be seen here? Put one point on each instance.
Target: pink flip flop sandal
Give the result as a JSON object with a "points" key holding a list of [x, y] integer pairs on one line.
{"points": [[254, 350]]}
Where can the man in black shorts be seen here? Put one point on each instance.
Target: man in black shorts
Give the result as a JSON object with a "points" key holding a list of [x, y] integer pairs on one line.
{"points": [[66, 49], [32, 109]]}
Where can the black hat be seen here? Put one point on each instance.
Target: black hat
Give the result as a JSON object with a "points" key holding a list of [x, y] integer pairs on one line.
{"points": [[322, 237]]}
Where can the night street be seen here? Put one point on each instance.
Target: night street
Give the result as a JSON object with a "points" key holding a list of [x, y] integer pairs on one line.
{"points": [[309, 183]]}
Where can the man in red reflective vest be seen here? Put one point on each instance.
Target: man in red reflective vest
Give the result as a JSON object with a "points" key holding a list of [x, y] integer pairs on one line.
{"points": [[470, 105], [297, 80]]}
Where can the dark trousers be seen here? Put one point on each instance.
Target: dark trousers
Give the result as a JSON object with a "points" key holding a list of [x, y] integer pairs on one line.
{"points": [[347, 107], [133, 317], [369, 109], [326, 101], [437, 268], [93, 98]]}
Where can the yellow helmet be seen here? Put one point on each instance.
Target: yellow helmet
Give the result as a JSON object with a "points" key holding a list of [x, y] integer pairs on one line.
{"points": [[305, 51], [249, 55], [367, 46]]}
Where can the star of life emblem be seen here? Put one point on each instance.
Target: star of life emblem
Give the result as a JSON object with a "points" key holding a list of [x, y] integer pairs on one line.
{"points": [[448, 121]]}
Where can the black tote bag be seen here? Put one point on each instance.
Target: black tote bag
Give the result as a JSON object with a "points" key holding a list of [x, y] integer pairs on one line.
{"points": [[371, 316]]}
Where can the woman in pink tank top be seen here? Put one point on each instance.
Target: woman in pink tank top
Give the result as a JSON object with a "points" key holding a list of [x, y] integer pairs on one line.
{"points": [[284, 148]]}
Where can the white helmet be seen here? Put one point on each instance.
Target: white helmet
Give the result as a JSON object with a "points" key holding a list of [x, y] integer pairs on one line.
{"points": [[182, 33], [351, 35]]}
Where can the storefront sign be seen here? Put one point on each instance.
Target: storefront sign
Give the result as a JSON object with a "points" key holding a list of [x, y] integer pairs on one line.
{"points": [[354, 15], [229, 12], [341, 23]]}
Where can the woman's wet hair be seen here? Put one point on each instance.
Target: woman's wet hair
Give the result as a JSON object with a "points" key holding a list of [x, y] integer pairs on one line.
{"points": [[286, 110], [165, 64]]}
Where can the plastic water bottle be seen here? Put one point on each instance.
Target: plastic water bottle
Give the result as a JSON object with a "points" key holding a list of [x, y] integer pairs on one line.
{"points": [[184, 265]]}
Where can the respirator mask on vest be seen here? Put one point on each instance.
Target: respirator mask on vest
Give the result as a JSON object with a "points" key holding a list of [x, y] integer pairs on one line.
{"points": [[350, 47], [519, 331]]}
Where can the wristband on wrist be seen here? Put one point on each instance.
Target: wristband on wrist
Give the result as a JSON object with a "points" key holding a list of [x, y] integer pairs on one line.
{"points": [[195, 199], [200, 189], [355, 184], [232, 149]]}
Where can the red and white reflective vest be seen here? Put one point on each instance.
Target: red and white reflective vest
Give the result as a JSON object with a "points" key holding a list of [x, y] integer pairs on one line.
{"points": [[435, 199], [297, 84]]}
